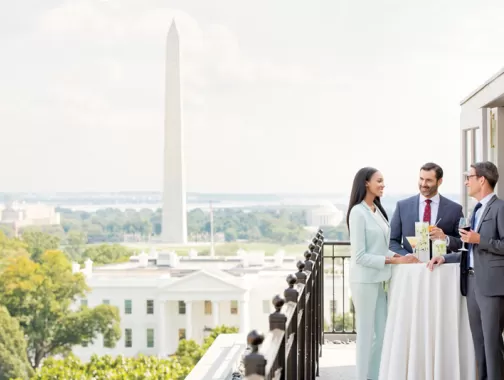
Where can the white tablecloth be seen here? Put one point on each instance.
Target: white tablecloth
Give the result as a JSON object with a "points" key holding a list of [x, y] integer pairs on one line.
{"points": [[427, 335]]}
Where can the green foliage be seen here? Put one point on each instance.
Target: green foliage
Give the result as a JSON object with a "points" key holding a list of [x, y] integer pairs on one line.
{"points": [[110, 225], [176, 367], [76, 243], [13, 360], [189, 352], [106, 254], [39, 295], [336, 324], [339, 232], [107, 367], [10, 247], [215, 333], [39, 242], [7, 230], [285, 226]]}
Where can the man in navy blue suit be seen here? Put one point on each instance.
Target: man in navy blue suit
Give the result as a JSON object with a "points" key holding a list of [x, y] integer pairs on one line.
{"points": [[428, 206]]}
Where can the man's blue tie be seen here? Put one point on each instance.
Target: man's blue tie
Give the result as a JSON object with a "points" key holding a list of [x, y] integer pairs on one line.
{"points": [[473, 228], [473, 217]]}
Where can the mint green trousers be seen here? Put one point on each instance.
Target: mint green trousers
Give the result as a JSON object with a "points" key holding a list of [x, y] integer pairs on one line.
{"points": [[370, 303]]}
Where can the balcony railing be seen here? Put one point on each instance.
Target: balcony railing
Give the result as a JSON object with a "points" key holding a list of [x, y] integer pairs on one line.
{"points": [[292, 347], [336, 260]]}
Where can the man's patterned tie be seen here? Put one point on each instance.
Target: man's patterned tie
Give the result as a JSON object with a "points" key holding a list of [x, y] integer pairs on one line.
{"points": [[473, 228], [427, 211]]}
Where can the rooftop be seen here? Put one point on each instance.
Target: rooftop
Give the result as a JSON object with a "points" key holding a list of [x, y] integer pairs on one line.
{"points": [[338, 362]]}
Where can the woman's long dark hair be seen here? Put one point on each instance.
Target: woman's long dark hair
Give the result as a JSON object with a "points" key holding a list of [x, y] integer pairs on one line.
{"points": [[359, 192]]}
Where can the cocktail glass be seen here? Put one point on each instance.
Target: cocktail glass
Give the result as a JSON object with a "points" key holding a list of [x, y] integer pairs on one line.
{"points": [[413, 240], [438, 247]]}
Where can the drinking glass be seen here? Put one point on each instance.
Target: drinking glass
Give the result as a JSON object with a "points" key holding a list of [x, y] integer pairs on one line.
{"points": [[413, 240], [464, 224]]}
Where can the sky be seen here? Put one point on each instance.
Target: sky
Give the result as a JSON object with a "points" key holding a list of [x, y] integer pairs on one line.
{"points": [[278, 96]]}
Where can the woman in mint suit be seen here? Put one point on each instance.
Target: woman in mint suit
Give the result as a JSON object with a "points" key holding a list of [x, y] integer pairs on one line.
{"points": [[369, 268]]}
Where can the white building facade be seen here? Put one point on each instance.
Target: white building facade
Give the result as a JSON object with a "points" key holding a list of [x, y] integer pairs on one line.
{"points": [[162, 303], [326, 214], [482, 131]]}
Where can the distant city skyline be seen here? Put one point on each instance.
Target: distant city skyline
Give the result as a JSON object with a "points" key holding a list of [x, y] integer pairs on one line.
{"points": [[295, 103]]}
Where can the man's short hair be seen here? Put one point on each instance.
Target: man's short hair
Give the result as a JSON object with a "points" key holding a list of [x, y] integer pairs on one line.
{"points": [[488, 170], [432, 166]]}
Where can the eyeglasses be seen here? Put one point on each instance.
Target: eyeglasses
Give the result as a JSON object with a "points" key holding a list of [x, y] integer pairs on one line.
{"points": [[469, 176]]}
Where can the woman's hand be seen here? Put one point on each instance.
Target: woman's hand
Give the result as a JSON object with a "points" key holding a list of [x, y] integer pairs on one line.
{"points": [[408, 259]]}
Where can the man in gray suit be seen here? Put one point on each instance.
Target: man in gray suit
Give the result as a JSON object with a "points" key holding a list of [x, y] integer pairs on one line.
{"points": [[428, 206], [482, 270]]}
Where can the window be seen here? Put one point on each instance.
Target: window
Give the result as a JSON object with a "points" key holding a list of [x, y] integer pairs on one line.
{"points": [[181, 307], [234, 307], [128, 338], [150, 338], [208, 308], [128, 307], [150, 307], [106, 302], [181, 334], [266, 306], [84, 303]]}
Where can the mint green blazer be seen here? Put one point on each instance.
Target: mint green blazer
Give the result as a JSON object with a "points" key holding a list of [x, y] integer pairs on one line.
{"points": [[369, 242]]}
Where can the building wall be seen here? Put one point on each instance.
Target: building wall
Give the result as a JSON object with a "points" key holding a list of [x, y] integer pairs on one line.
{"points": [[484, 143], [263, 288]]}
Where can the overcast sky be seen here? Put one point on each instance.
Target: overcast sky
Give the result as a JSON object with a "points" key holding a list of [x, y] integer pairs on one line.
{"points": [[279, 96]]}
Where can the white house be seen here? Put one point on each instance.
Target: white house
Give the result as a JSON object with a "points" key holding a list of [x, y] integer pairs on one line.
{"points": [[482, 131], [163, 298]]}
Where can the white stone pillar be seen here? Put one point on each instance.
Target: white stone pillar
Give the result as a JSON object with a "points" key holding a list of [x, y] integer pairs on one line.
{"points": [[188, 312], [161, 328], [215, 313], [244, 317]]}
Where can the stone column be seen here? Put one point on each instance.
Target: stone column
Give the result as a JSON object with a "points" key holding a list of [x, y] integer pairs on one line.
{"points": [[188, 311], [215, 313], [244, 317], [161, 328]]}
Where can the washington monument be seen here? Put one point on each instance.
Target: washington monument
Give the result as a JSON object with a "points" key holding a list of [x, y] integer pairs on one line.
{"points": [[174, 228]]}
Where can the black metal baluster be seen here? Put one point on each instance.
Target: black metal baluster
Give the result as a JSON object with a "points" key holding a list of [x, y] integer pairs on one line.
{"points": [[291, 295], [255, 362]]}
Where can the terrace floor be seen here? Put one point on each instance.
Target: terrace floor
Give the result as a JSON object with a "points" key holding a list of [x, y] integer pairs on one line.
{"points": [[338, 362]]}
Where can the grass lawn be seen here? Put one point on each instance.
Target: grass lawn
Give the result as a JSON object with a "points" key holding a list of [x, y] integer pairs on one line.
{"points": [[223, 249]]}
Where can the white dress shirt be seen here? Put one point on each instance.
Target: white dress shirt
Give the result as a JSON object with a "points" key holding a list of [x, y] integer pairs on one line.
{"points": [[477, 221], [434, 208]]}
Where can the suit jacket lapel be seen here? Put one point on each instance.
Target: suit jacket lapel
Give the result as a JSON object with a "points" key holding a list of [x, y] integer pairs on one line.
{"points": [[385, 231], [441, 209], [485, 212], [416, 205]]}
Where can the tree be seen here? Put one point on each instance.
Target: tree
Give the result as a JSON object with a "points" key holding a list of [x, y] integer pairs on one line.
{"points": [[215, 333], [13, 360], [40, 295], [189, 353], [10, 248], [107, 253], [76, 243], [39, 242], [7, 230], [177, 367], [338, 323], [107, 367]]}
